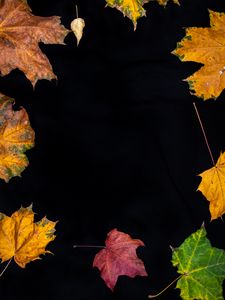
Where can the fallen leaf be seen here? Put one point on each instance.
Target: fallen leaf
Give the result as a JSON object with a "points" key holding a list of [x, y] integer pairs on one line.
{"points": [[133, 9], [205, 46], [119, 258], [20, 33], [23, 239], [212, 187], [164, 2], [202, 267], [77, 26], [16, 136]]}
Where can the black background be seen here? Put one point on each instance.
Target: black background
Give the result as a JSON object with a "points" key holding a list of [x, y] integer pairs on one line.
{"points": [[118, 145]]}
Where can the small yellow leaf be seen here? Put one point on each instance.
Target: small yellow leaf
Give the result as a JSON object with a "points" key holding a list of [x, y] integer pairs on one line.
{"points": [[212, 187], [205, 46], [23, 239], [16, 136], [77, 26]]}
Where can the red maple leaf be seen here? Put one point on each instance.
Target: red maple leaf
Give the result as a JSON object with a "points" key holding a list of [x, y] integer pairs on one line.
{"points": [[119, 258]]}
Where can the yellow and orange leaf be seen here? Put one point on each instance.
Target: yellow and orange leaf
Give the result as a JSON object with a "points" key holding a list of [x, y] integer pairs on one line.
{"points": [[205, 46], [20, 33], [23, 239], [212, 187], [16, 136], [133, 9]]}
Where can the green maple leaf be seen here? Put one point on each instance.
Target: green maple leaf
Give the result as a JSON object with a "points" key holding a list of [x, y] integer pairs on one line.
{"points": [[202, 266]]}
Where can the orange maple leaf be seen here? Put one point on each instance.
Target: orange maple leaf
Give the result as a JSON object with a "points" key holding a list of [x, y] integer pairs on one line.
{"points": [[20, 33], [205, 46], [212, 187], [16, 136], [23, 239]]}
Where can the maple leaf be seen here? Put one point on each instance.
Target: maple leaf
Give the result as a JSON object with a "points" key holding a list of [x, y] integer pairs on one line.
{"points": [[212, 187], [23, 239], [20, 33], [16, 136], [205, 46], [202, 267], [133, 9], [119, 258], [164, 2]]}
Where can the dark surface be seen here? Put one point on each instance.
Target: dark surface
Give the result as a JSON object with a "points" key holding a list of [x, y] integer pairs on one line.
{"points": [[118, 145]]}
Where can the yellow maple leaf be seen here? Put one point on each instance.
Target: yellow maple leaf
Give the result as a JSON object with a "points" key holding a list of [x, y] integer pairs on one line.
{"points": [[23, 239], [16, 136], [133, 9], [205, 46], [212, 187]]}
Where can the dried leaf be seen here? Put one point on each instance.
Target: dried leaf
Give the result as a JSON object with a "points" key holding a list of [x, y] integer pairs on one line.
{"points": [[205, 46], [212, 187], [20, 33], [133, 9], [202, 266], [16, 136], [119, 258], [77, 26], [23, 239]]}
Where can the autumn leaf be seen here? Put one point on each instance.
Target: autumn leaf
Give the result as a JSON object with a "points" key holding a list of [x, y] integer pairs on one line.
{"points": [[119, 258], [202, 267], [212, 187], [77, 26], [205, 46], [20, 33], [16, 136], [164, 2], [23, 239], [133, 9]]}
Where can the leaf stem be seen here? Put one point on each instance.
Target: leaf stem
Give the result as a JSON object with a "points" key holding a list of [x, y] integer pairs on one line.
{"points": [[204, 134], [169, 285], [5, 267], [87, 246], [77, 12]]}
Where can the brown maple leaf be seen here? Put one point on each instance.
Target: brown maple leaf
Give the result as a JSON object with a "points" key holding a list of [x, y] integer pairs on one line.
{"points": [[23, 239], [119, 258], [16, 136], [20, 33]]}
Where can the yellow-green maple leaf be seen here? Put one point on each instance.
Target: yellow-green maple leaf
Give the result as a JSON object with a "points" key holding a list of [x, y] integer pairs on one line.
{"points": [[205, 46], [164, 2], [133, 9]]}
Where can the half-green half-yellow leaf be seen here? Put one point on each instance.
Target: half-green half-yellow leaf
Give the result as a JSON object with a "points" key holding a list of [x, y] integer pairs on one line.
{"points": [[133, 9], [16, 136]]}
